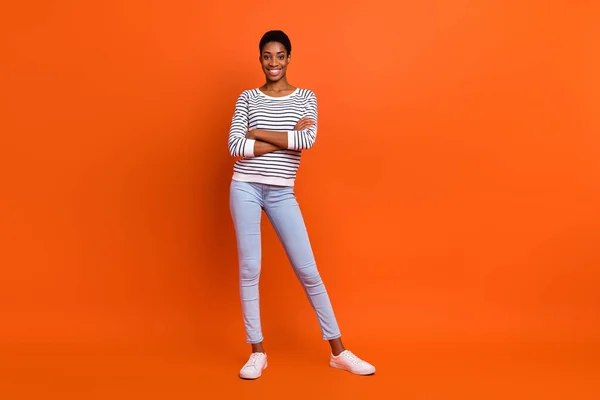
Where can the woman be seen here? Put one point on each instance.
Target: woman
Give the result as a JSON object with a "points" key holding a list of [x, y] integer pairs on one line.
{"points": [[270, 127]]}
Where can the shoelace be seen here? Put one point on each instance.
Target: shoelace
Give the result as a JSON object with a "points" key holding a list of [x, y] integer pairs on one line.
{"points": [[253, 359], [352, 358]]}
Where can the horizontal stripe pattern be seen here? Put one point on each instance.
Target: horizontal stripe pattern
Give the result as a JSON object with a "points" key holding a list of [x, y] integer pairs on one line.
{"points": [[255, 110]]}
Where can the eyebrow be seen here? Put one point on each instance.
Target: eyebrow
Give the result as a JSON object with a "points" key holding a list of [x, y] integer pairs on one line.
{"points": [[279, 52]]}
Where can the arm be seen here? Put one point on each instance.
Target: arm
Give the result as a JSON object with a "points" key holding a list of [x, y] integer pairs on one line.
{"points": [[239, 144], [261, 148], [302, 137], [277, 139]]}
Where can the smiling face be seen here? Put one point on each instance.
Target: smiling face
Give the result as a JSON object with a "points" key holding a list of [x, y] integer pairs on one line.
{"points": [[274, 60]]}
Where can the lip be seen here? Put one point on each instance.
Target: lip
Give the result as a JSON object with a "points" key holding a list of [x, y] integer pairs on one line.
{"points": [[274, 71]]}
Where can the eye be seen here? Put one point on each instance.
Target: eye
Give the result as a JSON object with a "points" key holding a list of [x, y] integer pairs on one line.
{"points": [[266, 57], [281, 57]]}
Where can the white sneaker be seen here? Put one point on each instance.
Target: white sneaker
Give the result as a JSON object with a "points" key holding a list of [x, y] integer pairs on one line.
{"points": [[254, 366], [349, 362]]}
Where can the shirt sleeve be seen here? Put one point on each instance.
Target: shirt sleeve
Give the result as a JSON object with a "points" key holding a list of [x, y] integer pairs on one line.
{"points": [[239, 145], [305, 139]]}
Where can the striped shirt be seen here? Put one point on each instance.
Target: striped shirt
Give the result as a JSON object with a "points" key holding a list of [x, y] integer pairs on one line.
{"points": [[257, 110]]}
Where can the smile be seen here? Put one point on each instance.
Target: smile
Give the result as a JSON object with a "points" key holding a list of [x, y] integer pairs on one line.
{"points": [[274, 72]]}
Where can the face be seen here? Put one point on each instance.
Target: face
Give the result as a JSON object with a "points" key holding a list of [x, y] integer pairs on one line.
{"points": [[274, 60]]}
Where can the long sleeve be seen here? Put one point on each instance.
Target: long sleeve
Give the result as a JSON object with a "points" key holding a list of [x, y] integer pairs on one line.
{"points": [[239, 145], [305, 139]]}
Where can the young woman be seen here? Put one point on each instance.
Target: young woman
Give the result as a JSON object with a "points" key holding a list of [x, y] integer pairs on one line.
{"points": [[270, 127]]}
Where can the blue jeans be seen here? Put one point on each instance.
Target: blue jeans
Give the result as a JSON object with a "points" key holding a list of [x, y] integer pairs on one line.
{"points": [[247, 201]]}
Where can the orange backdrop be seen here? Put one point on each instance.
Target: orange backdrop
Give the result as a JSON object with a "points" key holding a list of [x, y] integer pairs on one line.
{"points": [[453, 191]]}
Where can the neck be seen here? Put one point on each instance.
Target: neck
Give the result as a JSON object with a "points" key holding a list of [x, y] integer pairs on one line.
{"points": [[281, 84]]}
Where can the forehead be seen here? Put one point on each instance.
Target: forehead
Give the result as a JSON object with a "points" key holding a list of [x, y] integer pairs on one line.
{"points": [[273, 47]]}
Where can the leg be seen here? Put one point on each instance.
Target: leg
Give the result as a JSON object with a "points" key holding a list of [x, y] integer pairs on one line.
{"points": [[285, 215], [246, 211], [284, 212]]}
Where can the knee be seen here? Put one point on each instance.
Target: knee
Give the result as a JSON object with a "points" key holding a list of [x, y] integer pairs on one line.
{"points": [[250, 270], [313, 281], [309, 275]]}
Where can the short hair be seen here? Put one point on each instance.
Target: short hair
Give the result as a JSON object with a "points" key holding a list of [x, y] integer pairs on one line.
{"points": [[276, 36]]}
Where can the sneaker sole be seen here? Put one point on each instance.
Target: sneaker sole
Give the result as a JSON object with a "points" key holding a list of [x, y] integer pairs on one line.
{"points": [[334, 365]]}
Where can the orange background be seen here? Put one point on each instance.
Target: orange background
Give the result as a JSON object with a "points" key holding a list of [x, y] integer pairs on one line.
{"points": [[452, 198]]}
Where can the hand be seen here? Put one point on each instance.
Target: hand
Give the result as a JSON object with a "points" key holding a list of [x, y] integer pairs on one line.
{"points": [[250, 134], [303, 124]]}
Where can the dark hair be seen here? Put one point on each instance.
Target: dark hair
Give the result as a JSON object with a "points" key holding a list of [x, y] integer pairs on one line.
{"points": [[276, 36]]}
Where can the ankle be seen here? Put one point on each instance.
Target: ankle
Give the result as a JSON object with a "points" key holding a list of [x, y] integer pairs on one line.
{"points": [[258, 348], [337, 347]]}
